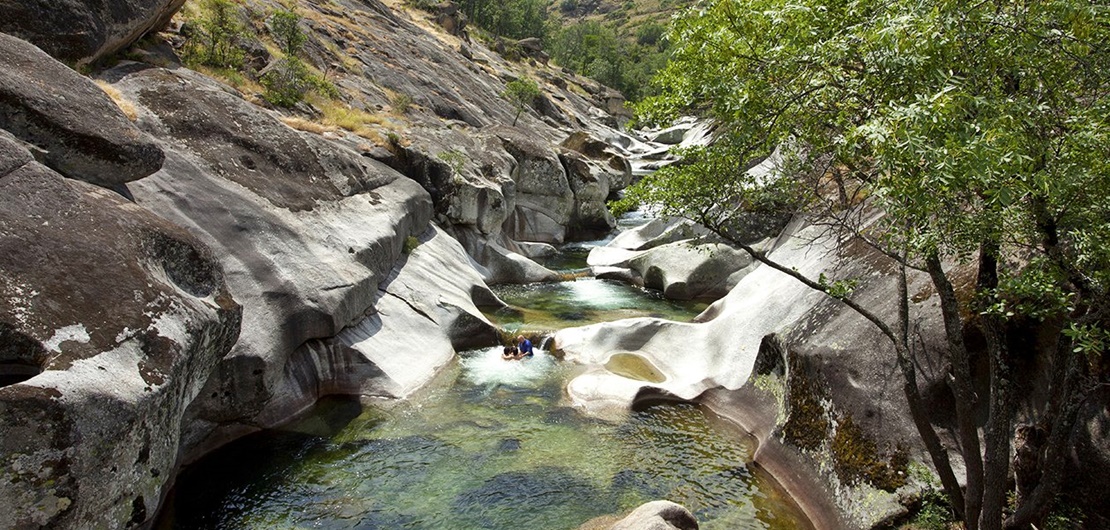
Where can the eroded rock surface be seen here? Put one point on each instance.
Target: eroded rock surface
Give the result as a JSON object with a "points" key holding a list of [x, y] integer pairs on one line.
{"points": [[306, 229], [658, 515], [111, 319], [81, 32], [72, 126]]}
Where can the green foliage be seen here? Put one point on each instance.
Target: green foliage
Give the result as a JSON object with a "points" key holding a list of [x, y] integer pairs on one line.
{"points": [[455, 159], [286, 30], [934, 513], [516, 19], [411, 242], [1064, 517], [522, 93], [287, 82], [964, 123], [218, 27], [596, 51]]}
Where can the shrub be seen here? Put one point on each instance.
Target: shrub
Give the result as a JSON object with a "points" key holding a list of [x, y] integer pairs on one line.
{"points": [[286, 30], [287, 82], [934, 513], [400, 102]]}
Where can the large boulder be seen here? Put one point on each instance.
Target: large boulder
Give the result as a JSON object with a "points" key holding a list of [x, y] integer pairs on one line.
{"points": [[674, 256], [427, 309], [544, 200], [81, 32], [306, 229], [111, 320], [69, 122], [590, 183]]}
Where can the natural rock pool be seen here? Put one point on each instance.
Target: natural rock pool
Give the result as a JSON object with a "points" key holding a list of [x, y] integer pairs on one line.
{"points": [[490, 444]]}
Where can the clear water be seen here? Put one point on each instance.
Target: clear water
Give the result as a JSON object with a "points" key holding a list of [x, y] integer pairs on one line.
{"points": [[550, 306], [490, 444]]}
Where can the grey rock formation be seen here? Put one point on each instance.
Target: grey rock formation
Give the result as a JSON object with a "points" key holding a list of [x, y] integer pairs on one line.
{"points": [[673, 256], [72, 126], [658, 515], [111, 319], [426, 310], [544, 198], [307, 231], [81, 32], [719, 350]]}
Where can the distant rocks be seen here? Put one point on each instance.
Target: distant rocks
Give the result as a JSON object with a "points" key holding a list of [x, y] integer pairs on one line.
{"points": [[67, 121], [674, 257], [83, 32]]}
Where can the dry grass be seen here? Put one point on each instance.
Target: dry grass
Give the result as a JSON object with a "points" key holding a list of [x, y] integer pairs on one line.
{"points": [[302, 124], [125, 105], [337, 116]]}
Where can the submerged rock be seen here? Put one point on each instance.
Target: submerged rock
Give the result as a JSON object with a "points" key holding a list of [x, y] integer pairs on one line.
{"points": [[658, 515]]}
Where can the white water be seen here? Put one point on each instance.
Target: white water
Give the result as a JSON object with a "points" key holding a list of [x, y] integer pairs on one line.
{"points": [[486, 367]]}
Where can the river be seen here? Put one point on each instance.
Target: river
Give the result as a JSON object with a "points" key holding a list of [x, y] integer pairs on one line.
{"points": [[490, 444]]}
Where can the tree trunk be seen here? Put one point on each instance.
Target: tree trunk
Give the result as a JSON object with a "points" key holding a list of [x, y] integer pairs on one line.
{"points": [[963, 390], [1000, 421]]}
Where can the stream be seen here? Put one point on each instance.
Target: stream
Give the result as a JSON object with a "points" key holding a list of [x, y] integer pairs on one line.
{"points": [[489, 444]]}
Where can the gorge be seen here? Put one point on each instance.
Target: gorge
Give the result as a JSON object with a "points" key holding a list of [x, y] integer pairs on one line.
{"points": [[186, 265]]}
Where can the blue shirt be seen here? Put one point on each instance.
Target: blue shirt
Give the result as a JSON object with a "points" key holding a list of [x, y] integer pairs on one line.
{"points": [[526, 347]]}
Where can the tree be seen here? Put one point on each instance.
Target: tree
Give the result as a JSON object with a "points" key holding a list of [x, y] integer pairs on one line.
{"points": [[286, 29], [980, 131], [219, 27], [521, 93]]}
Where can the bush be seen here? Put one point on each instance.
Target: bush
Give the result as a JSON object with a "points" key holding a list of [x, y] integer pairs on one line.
{"points": [[286, 30], [287, 82], [934, 513]]}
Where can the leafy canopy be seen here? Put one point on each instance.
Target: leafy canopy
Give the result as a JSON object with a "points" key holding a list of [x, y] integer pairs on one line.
{"points": [[966, 123]]}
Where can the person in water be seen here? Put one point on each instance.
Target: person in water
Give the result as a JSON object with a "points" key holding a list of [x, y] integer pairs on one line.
{"points": [[525, 346], [509, 353]]}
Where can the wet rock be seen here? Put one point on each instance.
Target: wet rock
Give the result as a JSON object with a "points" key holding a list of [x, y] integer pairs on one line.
{"points": [[70, 123], [658, 515]]}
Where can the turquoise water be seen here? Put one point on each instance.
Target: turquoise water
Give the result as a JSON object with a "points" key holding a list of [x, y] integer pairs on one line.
{"points": [[490, 444]]}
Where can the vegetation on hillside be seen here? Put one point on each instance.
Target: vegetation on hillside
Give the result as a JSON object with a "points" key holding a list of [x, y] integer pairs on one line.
{"points": [[980, 131], [621, 49]]}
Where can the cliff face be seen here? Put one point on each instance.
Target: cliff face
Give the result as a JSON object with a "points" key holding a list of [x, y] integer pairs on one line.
{"points": [[192, 269]]}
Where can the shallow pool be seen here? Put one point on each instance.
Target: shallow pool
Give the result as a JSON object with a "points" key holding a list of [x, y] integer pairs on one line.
{"points": [[490, 444]]}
